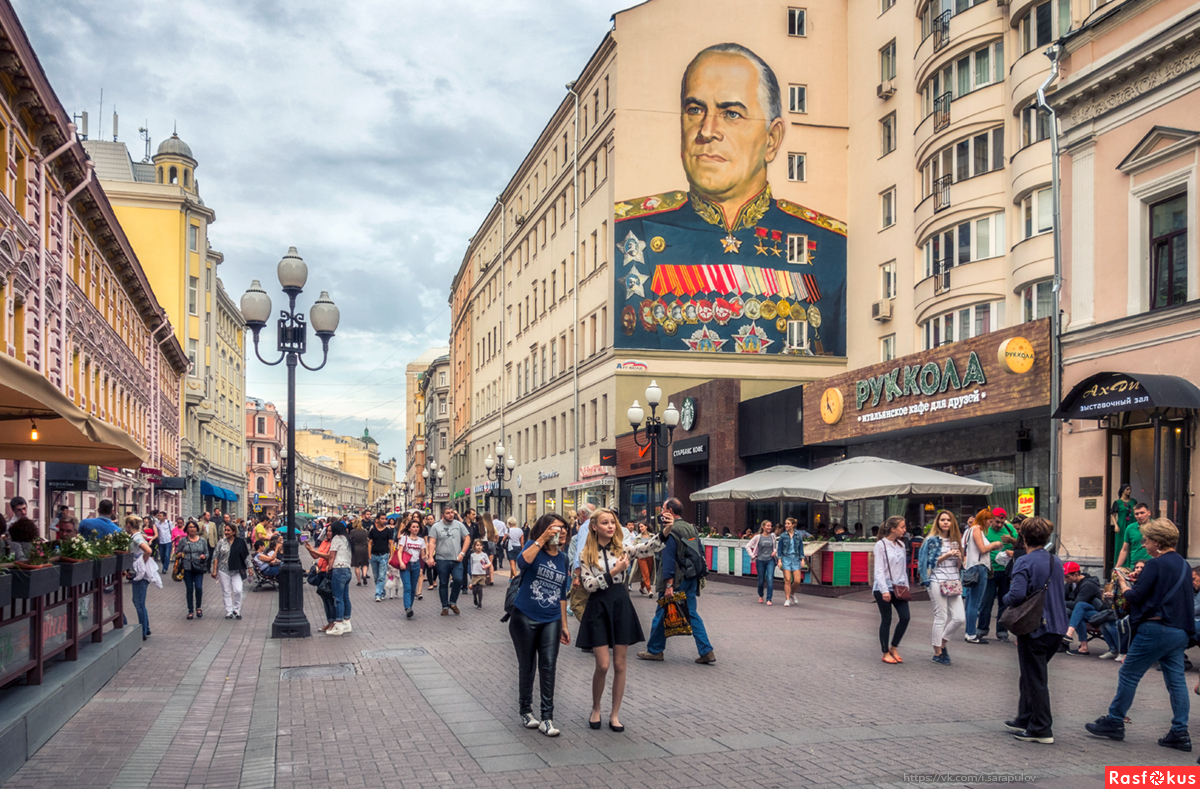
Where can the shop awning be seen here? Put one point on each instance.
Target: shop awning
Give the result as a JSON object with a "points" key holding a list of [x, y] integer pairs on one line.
{"points": [[216, 491], [66, 434], [1111, 393], [602, 482]]}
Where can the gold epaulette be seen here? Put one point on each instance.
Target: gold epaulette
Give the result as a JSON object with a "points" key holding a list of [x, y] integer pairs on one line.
{"points": [[809, 215], [645, 206]]}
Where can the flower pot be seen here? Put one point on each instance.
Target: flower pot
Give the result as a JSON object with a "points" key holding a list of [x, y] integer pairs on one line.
{"points": [[5, 591], [29, 582], [74, 572], [105, 566], [125, 560]]}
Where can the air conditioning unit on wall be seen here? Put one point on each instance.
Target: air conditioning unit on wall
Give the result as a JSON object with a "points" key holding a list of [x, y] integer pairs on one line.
{"points": [[886, 90], [882, 310]]}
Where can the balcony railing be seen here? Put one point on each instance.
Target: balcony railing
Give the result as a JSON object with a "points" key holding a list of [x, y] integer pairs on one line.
{"points": [[941, 31], [941, 193], [941, 111], [941, 275]]}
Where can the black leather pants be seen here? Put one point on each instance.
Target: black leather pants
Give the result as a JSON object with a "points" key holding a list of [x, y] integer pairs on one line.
{"points": [[537, 646]]}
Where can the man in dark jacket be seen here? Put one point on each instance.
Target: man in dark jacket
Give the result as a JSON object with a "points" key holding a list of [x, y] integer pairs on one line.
{"points": [[673, 576], [1084, 598]]}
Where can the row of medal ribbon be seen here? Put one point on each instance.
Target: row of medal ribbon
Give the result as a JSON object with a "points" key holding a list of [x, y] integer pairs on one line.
{"points": [[654, 313]]}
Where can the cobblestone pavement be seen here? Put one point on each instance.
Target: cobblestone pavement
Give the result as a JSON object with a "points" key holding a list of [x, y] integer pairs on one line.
{"points": [[798, 697]]}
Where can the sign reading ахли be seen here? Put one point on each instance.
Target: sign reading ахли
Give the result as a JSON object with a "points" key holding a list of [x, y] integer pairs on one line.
{"points": [[1006, 370]]}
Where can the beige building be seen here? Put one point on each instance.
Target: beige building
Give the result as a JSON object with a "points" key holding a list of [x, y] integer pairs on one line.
{"points": [[355, 455], [435, 395], [1128, 105], [414, 423], [550, 335], [323, 488]]}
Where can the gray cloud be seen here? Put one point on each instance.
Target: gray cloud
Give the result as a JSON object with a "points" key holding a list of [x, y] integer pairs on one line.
{"points": [[372, 135]]}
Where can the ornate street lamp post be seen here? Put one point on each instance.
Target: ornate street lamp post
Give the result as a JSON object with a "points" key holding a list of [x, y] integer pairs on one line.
{"points": [[433, 477], [499, 470], [292, 329], [656, 437]]}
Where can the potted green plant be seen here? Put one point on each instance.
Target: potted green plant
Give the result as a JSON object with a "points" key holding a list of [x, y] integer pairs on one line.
{"points": [[76, 560], [106, 558], [36, 576], [121, 543]]}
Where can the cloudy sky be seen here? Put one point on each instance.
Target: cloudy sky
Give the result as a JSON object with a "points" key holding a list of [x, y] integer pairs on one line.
{"points": [[373, 135]]}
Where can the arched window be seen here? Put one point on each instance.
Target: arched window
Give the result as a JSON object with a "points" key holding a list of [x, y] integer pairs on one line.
{"points": [[187, 177], [160, 180], [262, 485], [174, 176]]}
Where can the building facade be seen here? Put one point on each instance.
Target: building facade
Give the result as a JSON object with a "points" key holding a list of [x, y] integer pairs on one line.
{"points": [[435, 395], [355, 455], [414, 425], [266, 437], [77, 304], [158, 203], [1127, 106]]}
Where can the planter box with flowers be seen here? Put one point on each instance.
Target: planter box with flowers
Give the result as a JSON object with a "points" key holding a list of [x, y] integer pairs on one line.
{"points": [[120, 543], [36, 576], [77, 560]]}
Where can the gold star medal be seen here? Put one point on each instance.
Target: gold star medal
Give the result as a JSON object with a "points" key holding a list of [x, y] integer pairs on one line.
{"points": [[731, 244]]}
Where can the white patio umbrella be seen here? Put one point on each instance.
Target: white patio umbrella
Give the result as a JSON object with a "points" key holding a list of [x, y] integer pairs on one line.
{"points": [[869, 477], [758, 486]]}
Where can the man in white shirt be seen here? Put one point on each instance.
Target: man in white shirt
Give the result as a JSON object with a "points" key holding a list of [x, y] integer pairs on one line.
{"points": [[163, 527], [584, 518], [513, 543]]}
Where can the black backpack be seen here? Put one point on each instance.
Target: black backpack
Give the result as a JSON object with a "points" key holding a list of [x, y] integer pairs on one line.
{"points": [[694, 565], [510, 596]]}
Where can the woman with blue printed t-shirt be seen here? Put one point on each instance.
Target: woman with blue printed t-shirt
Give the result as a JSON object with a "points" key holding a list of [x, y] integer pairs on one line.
{"points": [[539, 617]]}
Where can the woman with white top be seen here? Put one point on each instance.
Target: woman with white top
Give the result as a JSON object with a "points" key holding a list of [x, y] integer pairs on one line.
{"points": [[339, 558], [891, 565], [978, 554], [410, 548], [940, 562]]}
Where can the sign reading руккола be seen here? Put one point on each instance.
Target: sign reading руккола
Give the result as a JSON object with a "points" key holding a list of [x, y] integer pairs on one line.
{"points": [[996, 373]]}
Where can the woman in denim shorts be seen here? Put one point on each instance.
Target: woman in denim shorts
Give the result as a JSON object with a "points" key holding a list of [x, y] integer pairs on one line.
{"points": [[791, 554]]}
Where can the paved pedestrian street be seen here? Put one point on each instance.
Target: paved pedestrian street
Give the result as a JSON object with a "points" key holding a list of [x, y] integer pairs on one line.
{"points": [[798, 697]]}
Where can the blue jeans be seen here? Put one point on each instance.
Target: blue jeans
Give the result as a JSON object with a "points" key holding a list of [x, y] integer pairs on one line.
{"points": [[972, 597], [164, 555], [327, 602], [193, 582], [1154, 642], [766, 577], [409, 576], [139, 604], [341, 593], [658, 632], [1079, 617], [449, 570], [379, 568]]}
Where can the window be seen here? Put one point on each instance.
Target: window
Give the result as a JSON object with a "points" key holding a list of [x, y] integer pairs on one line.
{"points": [[887, 62], [964, 243], [193, 237], [1037, 300], [1035, 28], [261, 484], [887, 207], [443, 435], [797, 98], [963, 324], [1168, 252], [262, 425], [797, 249], [193, 355], [887, 348], [1035, 126], [258, 455], [887, 135], [887, 280], [193, 287], [442, 408], [797, 22], [174, 175], [1037, 212], [796, 165], [442, 378], [970, 72], [967, 158], [553, 357], [884, 5]]}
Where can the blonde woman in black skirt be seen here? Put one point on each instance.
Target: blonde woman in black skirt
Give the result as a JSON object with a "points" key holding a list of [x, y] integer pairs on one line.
{"points": [[610, 623]]}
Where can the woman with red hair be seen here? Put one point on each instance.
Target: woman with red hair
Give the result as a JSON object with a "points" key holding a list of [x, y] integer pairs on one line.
{"points": [[976, 569]]}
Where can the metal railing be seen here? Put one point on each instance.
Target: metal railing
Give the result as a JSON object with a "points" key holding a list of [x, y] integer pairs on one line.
{"points": [[941, 193], [941, 111], [941, 275], [941, 31]]}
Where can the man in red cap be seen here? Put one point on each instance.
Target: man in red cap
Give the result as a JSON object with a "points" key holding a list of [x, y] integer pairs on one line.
{"points": [[1084, 599], [998, 530]]}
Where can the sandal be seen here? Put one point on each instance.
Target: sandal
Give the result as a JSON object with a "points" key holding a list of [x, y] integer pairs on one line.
{"points": [[199, 613], [191, 615], [887, 658]]}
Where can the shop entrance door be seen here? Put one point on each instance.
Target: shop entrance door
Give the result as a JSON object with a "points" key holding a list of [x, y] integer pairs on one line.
{"points": [[1153, 455]]}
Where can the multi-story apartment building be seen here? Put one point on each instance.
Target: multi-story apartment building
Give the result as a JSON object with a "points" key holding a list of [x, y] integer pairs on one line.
{"points": [[435, 396], [266, 437], [605, 263], [158, 203], [77, 306], [324, 487], [414, 424], [949, 171], [356, 455], [1127, 106]]}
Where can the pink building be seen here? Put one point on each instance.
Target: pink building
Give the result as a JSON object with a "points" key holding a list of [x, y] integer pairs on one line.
{"points": [[266, 432], [1129, 115]]}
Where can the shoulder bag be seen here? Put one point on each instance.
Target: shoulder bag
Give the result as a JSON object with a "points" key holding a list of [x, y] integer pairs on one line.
{"points": [[1028, 615], [902, 593]]}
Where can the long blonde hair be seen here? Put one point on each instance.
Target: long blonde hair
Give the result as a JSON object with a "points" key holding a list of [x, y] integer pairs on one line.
{"points": [[590, 555]]}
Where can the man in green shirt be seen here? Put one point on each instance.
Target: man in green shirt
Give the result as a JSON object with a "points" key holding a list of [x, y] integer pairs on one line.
{"points": [[999, 530], [1132, 551]]}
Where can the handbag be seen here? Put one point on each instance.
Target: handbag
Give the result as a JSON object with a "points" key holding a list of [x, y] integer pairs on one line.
{"points": [[394, 560], [1027, 616], [677, 619], [313, 576], [325, 586], [901, 593], [177, 568], [950, 588]]}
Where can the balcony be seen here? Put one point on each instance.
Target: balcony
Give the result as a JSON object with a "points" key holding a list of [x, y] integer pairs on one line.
{"points": [[1032, 261], [1031, 167], [941, 193], [982, 280], [941, 276], [941, 111], [941, 31]]}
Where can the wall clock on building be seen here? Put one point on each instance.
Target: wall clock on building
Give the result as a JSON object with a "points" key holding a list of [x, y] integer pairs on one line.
{"points": [[832, 405], [687, 414]]}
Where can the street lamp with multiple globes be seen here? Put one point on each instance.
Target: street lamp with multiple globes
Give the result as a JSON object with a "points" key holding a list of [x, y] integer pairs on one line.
{"points": [[655, 436], [292, 342], [432, 476], [499, 470]]}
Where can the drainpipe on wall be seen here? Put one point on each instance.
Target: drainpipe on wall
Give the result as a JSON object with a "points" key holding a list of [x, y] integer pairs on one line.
{"points": [[89, 170], [1056, 319], [44, 233], [575, 300]]}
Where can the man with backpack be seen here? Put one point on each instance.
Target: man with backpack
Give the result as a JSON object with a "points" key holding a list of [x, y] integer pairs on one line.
{"points": [[683, 569]]}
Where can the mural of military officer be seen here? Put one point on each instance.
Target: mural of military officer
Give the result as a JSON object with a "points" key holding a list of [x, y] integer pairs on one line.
{"points": [[724, 267]]}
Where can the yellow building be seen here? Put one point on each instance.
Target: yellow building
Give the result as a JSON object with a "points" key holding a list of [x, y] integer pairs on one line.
{"points": [[159, 206], [356, 455]]}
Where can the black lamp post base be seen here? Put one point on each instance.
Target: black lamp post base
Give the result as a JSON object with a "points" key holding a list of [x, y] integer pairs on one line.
{"points": [[291, 622]]}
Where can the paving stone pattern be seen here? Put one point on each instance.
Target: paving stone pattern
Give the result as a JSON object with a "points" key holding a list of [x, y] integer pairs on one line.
{"points": [[798, 697]]}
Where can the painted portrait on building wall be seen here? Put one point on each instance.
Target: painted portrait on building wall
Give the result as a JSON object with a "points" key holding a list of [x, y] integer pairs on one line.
{"points": [[725, 266]]}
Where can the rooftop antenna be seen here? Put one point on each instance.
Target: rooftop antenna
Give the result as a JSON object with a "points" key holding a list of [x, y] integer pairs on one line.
{"points": [[145, 132], [114, 124], [81, 122], [101, 114]]}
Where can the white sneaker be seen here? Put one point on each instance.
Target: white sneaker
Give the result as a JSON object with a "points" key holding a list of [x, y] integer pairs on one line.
{"points": [[337, 629], [530, 722], [1109, 655], [787, 602], [346, 626], [547, 728]]}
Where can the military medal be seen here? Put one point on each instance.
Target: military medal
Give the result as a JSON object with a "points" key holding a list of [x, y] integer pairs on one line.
{"points": [[814, 317], [676, 312], [670, 327], [776, 236], [781, 325], [731, 244], [647, 312], [752, 309], [704, 310], [689, 312], [784, 309], [635, 283], [657, 244], [798, 313], [767, 310]]}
